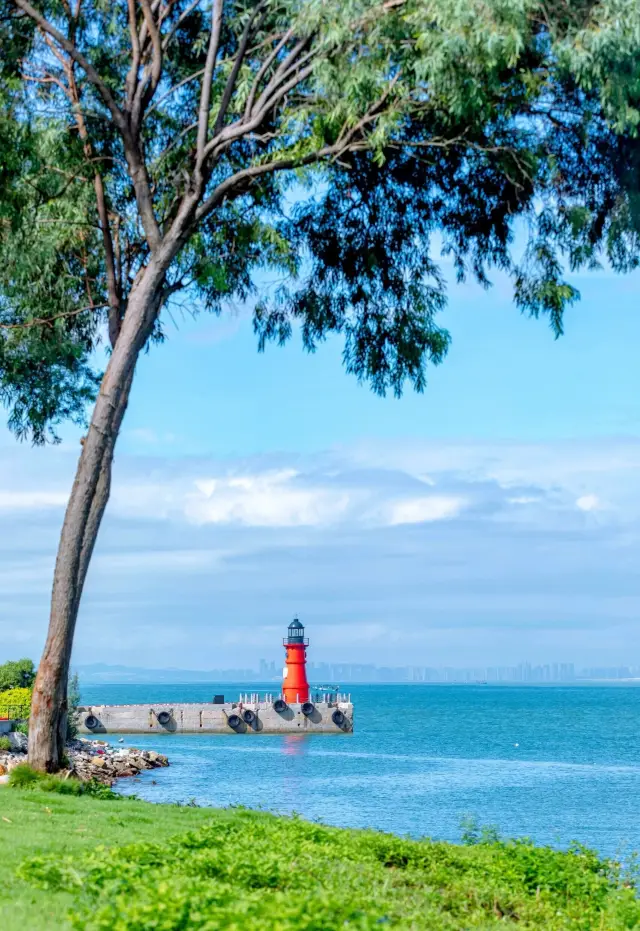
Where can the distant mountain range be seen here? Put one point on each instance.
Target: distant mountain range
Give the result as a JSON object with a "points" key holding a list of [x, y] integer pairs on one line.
{"points": [[102, 672]]}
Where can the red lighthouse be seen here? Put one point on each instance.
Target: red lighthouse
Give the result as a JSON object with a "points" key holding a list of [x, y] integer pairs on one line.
{"points": [[295, 687]]}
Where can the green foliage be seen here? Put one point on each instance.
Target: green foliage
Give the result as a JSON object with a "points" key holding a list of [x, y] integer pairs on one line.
{"points": [[5, 743], [260, 872], [47, 259], [96, 789], [22, 728], [23, 776], [15, 703], [601, 50], [17, 674]]}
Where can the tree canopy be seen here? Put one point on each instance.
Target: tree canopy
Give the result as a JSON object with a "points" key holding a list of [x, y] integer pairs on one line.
{"points": [[343, 141], [17, 674]]}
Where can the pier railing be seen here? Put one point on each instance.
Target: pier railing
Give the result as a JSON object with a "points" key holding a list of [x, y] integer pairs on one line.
{"points": [[257, 701]]}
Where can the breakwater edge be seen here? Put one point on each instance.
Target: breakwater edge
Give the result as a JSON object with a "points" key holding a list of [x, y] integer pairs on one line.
{"points": [[88, 759]]}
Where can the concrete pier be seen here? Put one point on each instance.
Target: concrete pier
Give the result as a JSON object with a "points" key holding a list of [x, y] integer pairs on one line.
{"points": [[327, 715]]}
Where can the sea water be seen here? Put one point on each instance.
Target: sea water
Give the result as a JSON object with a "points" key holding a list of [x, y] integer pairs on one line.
{"points": [[554, 763]]}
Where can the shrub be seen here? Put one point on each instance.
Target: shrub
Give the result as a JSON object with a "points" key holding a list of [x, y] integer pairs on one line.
{"points": [[24, 777], [22, 728], [15, 702], [5, 743]]}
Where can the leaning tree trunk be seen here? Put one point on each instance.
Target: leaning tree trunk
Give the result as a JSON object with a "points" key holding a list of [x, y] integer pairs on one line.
{"points": [[89, 496]]}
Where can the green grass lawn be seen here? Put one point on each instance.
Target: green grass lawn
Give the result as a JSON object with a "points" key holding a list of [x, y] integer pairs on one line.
{"points": [[132, 866], [34, 823]]}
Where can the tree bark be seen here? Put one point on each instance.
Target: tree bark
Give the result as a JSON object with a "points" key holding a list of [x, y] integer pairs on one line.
{"points": [[85, 509]]}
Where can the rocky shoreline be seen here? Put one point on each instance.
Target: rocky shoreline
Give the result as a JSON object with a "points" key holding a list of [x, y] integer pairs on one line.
{"points": [[88, 759]]}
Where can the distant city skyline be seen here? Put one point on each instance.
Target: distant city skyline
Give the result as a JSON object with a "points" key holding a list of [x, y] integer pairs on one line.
{"points": [[270, 671]]}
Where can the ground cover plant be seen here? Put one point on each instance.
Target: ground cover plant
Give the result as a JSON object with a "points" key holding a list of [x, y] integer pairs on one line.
{"points": [[168, 868]]}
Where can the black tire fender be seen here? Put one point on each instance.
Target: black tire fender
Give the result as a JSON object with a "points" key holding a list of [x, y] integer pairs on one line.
{"points": [[339, 718], [164, 717], [280, 705], [248, 716], [91, 722], [234, 721], [308, 708]]}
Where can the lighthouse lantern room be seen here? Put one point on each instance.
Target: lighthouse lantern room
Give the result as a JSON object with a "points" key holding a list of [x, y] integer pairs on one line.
{"points": [[295, 686]]}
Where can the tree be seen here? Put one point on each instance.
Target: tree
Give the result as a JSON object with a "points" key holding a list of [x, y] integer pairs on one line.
{"points": [[178, 146], [17, 674]]}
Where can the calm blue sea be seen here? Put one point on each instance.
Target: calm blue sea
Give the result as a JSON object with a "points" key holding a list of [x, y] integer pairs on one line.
{"points": [[553, 763]]}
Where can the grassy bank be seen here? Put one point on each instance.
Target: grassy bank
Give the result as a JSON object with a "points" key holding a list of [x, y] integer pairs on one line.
{"points": [[132, 866], [34, 823]]}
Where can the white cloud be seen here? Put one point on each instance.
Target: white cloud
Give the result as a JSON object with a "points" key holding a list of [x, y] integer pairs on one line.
{"points": [[270, 499], [588, 503], [157, 499], [145, 436], [593, 472], [289, 498], [422, 510], [159, 561], [32, 500]]}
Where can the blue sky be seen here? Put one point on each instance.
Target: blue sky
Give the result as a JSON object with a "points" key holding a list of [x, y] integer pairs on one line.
{"points": [[492, 519]]}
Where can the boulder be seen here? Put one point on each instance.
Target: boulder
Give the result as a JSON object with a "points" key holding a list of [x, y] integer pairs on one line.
{"points": [[19, 742], [96, 759]]}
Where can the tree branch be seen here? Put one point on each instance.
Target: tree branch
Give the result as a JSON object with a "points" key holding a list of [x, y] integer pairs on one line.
{"points": [[242, 179], [131, 82], [175, 142], [238, 129], [176, 87], [263, 70], [285, 68], [237, 64], [345, 143], [48, 321], [113, 285], [205, 94], [78, 57], [185, 13], [153, 72]]}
